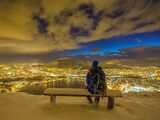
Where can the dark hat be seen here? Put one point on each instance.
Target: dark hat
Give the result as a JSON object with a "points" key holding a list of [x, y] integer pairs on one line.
{"points": [[95, 63]]}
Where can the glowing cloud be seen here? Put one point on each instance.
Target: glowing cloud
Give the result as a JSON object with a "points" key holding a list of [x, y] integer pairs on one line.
{"points": [[43, 26]]}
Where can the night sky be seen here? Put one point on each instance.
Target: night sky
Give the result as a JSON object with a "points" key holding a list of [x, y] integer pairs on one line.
{"points": [[42, 30], [115, 44]]}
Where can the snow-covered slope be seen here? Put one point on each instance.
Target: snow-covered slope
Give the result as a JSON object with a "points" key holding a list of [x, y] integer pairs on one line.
{"points": [[22, 106]]}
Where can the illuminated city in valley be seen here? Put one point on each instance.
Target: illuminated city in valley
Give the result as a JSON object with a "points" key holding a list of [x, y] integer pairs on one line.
{"points": [[37, 77]]}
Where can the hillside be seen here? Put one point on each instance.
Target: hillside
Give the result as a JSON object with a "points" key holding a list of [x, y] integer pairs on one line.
{"points": [[22, 106]]}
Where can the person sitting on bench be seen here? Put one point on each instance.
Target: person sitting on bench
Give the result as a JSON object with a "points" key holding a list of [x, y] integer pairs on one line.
{"points": [[95, 81]]}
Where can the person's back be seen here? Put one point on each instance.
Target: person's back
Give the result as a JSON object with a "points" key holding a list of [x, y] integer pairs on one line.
{"points": [[95, 81]]}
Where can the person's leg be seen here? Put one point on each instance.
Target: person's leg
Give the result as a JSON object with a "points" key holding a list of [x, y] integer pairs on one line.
{"points": [[90, 99], [97, 99]]}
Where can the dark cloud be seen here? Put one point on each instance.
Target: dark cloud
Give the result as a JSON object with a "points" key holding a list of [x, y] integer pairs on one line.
{"points": [[155, 1], [63, 16], [42, 24], [116, 13], [111, 29], [95, 49], [143, 52], [135, 18], [135, 53], [89, 10], [76, 31], [141, 25], [24, 58]]}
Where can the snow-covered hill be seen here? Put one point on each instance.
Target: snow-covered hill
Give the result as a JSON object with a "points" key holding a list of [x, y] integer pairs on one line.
{"points": [[133, 106]]}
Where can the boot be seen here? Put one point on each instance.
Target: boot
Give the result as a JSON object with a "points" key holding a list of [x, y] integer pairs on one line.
{"points": [[90, 99], [97, 99]]}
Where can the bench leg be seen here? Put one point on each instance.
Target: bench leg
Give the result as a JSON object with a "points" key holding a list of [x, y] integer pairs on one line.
{"points": [[110, 102], [53, 99]]}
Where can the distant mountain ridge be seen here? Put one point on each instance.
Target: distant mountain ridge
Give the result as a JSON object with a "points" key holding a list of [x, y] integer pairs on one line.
{"points": [[71, 63]]}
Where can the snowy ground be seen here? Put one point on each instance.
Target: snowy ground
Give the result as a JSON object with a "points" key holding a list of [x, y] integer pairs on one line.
{"points": [[23, 106]]}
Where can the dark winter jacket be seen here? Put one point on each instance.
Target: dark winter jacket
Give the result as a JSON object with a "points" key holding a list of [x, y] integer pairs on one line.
{"points": [[95, 80]]}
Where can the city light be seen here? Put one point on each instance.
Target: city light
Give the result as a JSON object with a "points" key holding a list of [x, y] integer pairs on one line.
{"points": [[13, 78]]}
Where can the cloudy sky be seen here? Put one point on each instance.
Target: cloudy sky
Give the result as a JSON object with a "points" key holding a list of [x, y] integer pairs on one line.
{"points": [[41, 30]]}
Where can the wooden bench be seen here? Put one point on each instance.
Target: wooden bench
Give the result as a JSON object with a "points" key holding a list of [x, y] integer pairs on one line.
{"points": [[80, 92]]}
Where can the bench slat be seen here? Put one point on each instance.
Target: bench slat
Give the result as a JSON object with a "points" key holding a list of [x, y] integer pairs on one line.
{"points": [[78, 92]]}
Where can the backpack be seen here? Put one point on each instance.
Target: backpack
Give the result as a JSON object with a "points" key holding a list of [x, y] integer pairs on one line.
{"points": [[97, 82]]}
